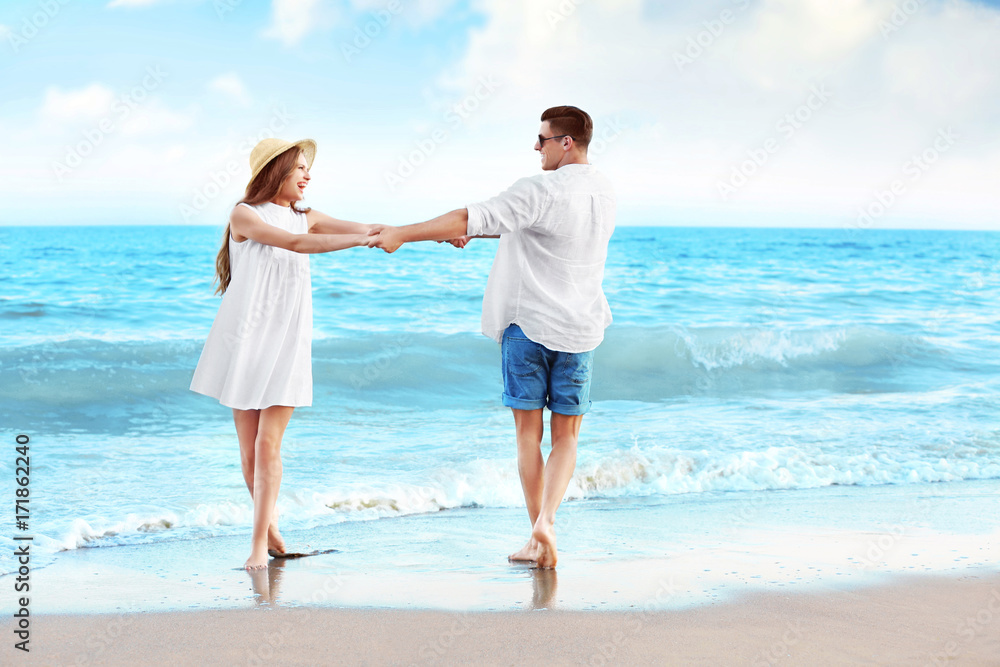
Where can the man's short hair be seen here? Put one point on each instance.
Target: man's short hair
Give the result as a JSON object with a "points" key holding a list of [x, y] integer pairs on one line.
{"points": [[572, 121]]}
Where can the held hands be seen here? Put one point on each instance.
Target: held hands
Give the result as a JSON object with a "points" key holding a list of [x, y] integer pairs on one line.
{"points": [[390, 238], [459, 242], [385, 237]]}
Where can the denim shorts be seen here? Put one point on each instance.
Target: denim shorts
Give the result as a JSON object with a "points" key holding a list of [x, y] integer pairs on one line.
{"points": [[535, 377]]}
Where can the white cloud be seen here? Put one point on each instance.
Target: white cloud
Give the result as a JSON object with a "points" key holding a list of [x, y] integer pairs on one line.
{"points": [[689, 123], [154, 118], [784, 41], [132, 3], [4, 31], [75, 105], [175, 154], [231, 85], [292, 19], [412, 12], [96, 104]]}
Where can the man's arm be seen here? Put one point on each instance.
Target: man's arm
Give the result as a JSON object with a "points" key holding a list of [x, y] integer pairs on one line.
{"points": [[518, 207], [463, 241], [442, 228]]}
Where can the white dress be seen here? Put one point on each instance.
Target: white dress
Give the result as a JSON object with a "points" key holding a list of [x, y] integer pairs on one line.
{"points": [[259, 351]]}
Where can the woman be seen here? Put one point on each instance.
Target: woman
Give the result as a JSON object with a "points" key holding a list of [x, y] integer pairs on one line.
{"points": [[257, 358]]}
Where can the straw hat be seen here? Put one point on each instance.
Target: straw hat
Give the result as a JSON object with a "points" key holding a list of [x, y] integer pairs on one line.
{"points": [[270, 148]]}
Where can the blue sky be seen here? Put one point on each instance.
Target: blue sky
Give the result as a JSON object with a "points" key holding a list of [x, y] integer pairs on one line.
{"points": [[858, 113]]}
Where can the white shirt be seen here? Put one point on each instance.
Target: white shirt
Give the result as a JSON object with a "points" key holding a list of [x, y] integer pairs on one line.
{"points": [[546, 278]]}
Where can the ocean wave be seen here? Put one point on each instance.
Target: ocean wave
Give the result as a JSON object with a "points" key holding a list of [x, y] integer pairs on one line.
{"points": [[668, 472], [635, 363], [24, 310], [632, 472]]}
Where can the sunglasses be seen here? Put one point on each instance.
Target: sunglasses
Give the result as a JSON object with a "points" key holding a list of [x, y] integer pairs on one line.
{"points": [[542, 140]]}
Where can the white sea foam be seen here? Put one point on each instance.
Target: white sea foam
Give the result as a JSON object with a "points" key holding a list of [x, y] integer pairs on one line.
{"points": [[631, 472]]}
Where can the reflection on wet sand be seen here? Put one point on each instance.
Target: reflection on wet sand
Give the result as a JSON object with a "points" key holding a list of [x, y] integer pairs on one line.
{"points": [[543, 584], [266, 582]]}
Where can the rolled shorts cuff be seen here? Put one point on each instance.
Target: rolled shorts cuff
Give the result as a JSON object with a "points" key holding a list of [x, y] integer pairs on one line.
{"points": [[570, 410], [523, 403]]}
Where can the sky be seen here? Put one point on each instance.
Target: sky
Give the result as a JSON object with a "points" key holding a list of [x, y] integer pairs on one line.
{"points": [[861, 114]]}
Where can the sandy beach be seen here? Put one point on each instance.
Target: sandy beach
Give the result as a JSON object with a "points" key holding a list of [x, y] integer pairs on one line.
{"points": [[649, 583], [916, 620]]}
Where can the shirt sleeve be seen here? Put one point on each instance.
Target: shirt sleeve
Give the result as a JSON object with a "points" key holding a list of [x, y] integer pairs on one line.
{"points": [[518, 207]]}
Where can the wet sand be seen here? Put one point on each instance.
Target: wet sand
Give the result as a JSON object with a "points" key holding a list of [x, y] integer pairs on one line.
{"points": [[886, 575], [914, 620]]}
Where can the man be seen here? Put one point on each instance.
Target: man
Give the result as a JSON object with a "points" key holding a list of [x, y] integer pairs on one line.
{"points": [[543, 304]]}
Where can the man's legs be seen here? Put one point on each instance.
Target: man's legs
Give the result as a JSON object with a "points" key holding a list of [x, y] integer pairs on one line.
{"points": [[544, 482], [565, 430], [531, 467], [535, 376]]}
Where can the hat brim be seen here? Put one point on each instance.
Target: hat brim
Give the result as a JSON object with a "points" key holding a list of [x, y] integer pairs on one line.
{"points": [[307, 146]]}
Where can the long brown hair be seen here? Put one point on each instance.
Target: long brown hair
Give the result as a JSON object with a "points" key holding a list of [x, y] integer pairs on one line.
{"points": [[264, 187]]}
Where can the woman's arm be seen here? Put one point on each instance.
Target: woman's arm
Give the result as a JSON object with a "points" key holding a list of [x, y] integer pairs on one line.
{"points": [[321, 223], [246, 224]]}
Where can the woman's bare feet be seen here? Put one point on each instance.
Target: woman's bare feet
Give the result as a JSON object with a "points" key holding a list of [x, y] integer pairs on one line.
{"points": [[545, 536], [527, 554]]}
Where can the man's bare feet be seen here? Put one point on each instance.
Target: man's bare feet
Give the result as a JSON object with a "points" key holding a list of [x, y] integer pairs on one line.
{"points": [[527, 554], [258, 558], [545, 536], [274, 539]]}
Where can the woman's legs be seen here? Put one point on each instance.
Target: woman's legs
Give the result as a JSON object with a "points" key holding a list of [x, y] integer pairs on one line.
{"points": [[266, 467], [246, 431]]}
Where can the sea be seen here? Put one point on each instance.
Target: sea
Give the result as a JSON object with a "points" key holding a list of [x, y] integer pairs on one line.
{"points": [[740, 361]]}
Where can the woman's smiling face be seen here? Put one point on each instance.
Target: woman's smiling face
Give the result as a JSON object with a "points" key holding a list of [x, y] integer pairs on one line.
{"points": [[294, 186]]}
